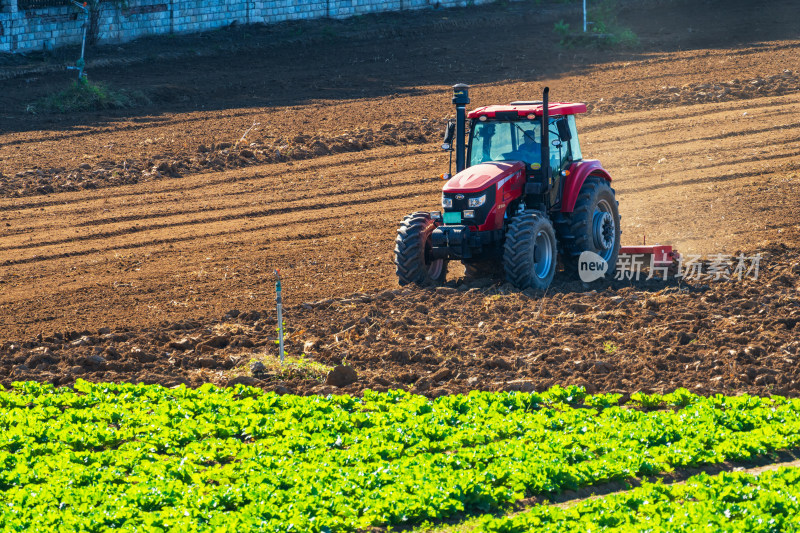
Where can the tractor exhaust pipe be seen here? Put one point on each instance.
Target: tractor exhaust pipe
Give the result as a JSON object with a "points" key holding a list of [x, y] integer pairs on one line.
{"points": [[546, 178], [460, 99]]}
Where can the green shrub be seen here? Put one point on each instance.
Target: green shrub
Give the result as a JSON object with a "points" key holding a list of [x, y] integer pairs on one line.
{"points": [[562, 29], [604, 29], [627, 38], [84, 95]]}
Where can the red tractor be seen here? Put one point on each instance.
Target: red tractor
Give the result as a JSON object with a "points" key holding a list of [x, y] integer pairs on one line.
{"points": [[522, 194]]}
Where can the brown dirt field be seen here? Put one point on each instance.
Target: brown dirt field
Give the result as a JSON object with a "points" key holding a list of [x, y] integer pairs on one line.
{"points": [[713, 337], [137, 229]]}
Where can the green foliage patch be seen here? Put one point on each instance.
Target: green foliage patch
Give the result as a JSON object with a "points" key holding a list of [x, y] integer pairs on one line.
{"points": [[729, 502], [83, 95], [605, 30], [124, 456]]}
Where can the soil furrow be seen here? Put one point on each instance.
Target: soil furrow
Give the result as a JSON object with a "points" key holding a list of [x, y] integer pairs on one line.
{"points": [[249, 214]]}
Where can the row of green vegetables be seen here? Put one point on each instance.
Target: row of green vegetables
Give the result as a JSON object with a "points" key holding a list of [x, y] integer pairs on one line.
{"points": [[768, 502], [128, 456]]}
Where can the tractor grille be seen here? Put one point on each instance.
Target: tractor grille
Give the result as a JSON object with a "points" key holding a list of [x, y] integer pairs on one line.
{"points": [[461, 205]]}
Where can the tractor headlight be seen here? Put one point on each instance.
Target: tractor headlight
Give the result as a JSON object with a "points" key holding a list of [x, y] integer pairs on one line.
{"points": [[477, 202], [447, 202], [469, 213]]}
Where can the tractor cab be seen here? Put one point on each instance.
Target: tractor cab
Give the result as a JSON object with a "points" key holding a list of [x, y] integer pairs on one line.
{"points": [[513, 132]]}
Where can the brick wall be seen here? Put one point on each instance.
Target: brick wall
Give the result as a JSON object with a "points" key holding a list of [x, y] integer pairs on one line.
{"points": [[46, 28]]}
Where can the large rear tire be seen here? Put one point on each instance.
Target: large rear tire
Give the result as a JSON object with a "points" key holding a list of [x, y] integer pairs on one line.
{"points": [[529, 256], [412, 252], [594, 225]]}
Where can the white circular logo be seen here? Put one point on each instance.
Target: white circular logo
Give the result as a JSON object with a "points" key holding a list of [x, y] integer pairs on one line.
{"points": [[591, 267]]}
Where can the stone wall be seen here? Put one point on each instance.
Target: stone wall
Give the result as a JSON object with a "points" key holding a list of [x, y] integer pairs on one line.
{"points": [[49, 27]]}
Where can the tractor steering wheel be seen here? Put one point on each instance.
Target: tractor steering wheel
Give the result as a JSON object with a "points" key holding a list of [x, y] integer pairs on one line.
{"points": [[516, 155]]}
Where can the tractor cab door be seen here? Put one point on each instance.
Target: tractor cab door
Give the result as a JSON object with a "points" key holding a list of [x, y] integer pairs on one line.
{"points": [[564, 149]]}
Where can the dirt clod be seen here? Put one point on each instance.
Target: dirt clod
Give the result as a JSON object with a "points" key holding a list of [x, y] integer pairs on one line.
{"points": [[441, 375], [244, 380], [341, 376]]}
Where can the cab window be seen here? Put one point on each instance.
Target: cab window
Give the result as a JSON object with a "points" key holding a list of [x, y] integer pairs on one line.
{"points": [[505, 141], [559, 153], [490, 140], [574, 144]]}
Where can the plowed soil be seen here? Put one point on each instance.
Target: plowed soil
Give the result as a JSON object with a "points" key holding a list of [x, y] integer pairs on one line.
{"points": [[127, 237], [711, 337]]}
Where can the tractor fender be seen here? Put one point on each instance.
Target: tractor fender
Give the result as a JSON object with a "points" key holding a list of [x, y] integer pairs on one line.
{"points": [[573, 181]]}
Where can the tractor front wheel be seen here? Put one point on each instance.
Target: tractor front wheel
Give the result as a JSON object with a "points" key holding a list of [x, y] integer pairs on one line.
{"points": [[412, 252], [529, 257]]}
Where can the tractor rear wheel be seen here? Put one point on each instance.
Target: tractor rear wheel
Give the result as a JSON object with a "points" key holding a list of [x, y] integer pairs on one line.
{"points": [[412, 252], [529, 257], [593, 225]]}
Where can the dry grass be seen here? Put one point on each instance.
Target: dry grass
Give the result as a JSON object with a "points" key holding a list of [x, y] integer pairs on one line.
{"points": [[292, 368]]}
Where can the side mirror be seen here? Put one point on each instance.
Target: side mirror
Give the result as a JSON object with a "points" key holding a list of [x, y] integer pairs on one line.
{"points": [[563, 130], [449, 133]]}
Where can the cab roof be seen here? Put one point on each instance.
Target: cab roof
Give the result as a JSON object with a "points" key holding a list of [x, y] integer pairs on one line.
{"points": [[523, 109]]}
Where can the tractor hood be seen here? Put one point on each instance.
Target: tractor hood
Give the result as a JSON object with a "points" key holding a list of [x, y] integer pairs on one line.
{"points": [[479, 177]]}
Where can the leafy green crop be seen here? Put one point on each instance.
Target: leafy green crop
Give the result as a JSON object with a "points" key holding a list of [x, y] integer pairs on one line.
{"points": [[767, 502], [124, 456]]}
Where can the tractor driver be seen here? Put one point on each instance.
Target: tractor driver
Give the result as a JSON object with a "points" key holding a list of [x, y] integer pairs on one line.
{"points": [[528, 150]]}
